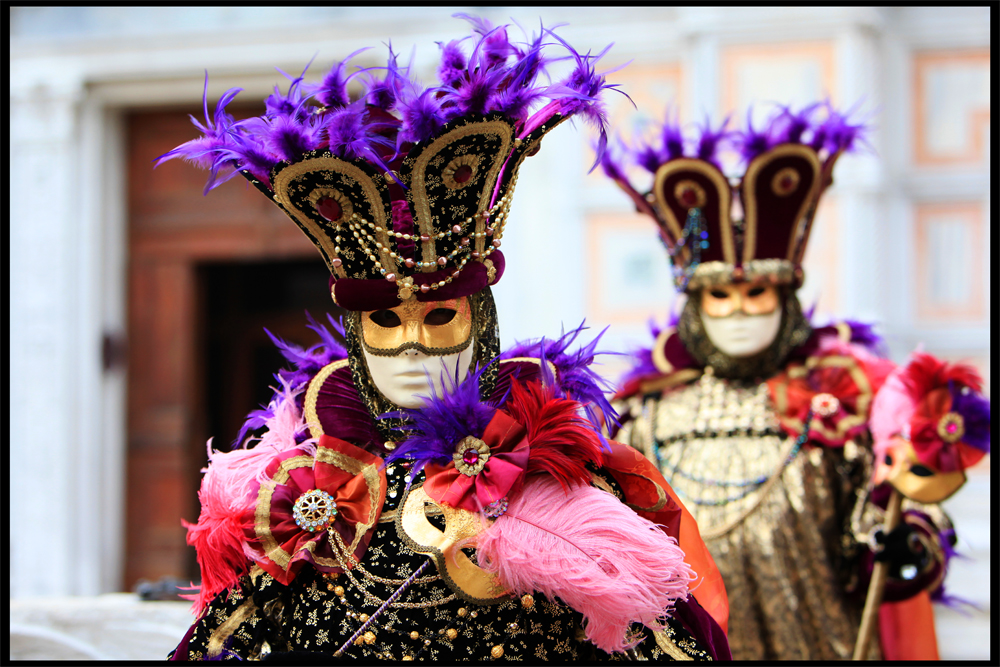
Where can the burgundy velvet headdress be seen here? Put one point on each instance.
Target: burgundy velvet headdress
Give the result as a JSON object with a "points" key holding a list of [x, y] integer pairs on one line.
{"points": [[789, 164], [406, 190]]}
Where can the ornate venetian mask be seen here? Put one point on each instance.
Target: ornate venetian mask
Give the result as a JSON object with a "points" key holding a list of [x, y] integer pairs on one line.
{"points": [[741, 319], [409, 349]]}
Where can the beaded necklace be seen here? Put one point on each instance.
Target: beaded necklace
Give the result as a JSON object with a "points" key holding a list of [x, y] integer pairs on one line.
{"points": [[750, 485]]}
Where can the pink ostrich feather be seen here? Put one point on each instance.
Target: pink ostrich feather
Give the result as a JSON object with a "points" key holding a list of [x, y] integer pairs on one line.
{"points": [[588, 549], [892, 410], [228, 497]]}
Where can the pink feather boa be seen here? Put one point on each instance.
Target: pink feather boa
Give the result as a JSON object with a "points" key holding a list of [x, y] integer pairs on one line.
{"points": [[228, 498], [591, 551]]}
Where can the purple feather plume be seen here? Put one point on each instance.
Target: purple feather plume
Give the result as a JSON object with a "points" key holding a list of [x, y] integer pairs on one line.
{"points": [[865, 335], [500, 75], [452, 68], [442, 421], [975, 411], [711, 141], [305, 364], [332, 92], [574, 375]]}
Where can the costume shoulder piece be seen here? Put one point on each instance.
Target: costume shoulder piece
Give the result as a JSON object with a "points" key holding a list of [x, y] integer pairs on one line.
{"points": [[229, 536], [833, 378]]}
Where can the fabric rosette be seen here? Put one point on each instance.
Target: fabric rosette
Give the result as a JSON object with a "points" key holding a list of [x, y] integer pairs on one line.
{"points": [[483, 470], [835, 390], [317, 508]]}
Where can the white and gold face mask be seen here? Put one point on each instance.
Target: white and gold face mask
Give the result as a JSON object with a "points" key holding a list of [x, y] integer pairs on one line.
{"points": [[408, 348], [741, 319]]}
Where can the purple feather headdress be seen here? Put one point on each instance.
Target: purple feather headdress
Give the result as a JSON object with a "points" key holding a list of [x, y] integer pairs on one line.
{"points": [[834, 133], [393, 112]]}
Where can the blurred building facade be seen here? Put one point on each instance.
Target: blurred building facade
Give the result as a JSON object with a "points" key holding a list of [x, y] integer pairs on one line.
{"points": [[105, 270]]}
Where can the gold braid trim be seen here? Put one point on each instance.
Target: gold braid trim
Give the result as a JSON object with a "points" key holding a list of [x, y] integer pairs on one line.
{"points": [[669, 647], [224, 631]]}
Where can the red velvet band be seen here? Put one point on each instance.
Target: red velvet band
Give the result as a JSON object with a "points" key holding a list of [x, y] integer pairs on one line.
{"points": [[376, 294]]}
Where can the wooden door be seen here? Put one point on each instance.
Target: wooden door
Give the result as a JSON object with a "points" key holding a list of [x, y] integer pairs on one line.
{"points": [[205, 275]]}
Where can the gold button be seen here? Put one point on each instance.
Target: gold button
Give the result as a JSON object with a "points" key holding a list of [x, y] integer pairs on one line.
{"points": [[363, 618], [339, 591], [369, 637], [462, 612], [407, 658], [527, 601], [451, 633], [497, 651], [329, 587], [414, 635], [512, 627]]}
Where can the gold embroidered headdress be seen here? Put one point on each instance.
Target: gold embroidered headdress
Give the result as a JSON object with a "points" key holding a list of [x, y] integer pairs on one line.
{"points": [[405, 191]]}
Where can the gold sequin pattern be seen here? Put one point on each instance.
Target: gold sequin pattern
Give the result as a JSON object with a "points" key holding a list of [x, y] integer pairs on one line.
{"points": [[786, 564]]}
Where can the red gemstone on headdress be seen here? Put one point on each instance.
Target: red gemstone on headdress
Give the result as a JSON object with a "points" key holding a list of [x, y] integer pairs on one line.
{"points": [[329, 208], [470, 456], [463, 173], [952, 427], [689, 198], [442, 260], [425, 238], [787, 182], [409, 263], [425, 288], [337, 262]]}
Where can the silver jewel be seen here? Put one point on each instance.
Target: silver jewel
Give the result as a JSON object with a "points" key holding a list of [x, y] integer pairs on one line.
{"points": [[314, 510]]}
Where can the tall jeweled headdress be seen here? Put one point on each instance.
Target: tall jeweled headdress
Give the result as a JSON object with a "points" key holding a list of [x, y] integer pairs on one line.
{"points": [[405, 190], [788, 166]]}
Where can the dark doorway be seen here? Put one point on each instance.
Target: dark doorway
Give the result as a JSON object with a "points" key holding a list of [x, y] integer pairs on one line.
{"points": [[241, 300]]}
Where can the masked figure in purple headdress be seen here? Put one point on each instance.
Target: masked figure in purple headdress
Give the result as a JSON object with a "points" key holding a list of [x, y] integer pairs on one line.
{"points": [[418, 495], [757, 419]]}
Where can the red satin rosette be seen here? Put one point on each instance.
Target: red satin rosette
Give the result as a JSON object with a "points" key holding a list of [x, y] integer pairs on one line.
{"points": [[484, 470], [317, 509], [837, 389], [938, 431]]}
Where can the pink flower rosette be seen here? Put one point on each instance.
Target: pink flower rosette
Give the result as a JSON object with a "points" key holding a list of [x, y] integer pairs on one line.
{"points": [[483, 470]]}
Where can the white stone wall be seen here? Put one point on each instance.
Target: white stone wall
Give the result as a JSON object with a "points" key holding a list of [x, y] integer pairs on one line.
{"points": [[76, 70]]}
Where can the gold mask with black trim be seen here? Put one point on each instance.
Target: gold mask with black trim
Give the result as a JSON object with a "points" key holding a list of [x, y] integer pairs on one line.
{"points": [[436, 328], [912, 478]]}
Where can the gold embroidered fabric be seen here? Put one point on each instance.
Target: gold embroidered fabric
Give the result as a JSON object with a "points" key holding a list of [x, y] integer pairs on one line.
{"points": [[317, 613], [785, 565]]}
